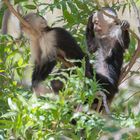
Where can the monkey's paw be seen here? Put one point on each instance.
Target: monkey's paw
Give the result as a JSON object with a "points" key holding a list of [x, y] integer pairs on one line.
{"points": [[124, 25]]}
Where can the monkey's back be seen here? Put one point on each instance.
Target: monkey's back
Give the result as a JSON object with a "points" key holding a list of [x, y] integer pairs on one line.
{"points": [[66, 42]]}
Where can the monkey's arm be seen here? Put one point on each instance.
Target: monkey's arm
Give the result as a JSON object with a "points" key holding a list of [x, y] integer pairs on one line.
{"points": [[126, 39], [125, 33], [115, 60], [41, 71], [108, 86], [90, 36], [88, 67]]}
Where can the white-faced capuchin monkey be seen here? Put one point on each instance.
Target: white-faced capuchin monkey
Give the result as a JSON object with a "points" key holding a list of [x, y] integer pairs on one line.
{"points": [[108, 40], [47, 46]]}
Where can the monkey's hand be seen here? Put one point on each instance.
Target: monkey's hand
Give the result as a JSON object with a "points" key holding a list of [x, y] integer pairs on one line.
{"points": [[124, 25], [92, 48]]}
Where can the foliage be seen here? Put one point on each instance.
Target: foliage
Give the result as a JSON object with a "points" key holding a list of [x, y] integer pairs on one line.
{"points": [[47, 117], [23, 116]]}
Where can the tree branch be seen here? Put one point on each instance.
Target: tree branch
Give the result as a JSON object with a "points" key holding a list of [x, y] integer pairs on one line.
{"points": [[26, 24], [5, 21], [131, 63], [132, 96]]}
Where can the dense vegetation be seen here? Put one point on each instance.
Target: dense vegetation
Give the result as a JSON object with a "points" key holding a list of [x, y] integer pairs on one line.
{"points": [[23, 116]]}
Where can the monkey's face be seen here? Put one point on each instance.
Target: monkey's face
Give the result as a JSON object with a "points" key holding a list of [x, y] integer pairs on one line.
{"points": [[37, 22], [103, 23]]}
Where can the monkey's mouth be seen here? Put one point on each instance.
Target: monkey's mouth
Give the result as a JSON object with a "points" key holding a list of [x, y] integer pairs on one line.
{"points": [[98, 28]]}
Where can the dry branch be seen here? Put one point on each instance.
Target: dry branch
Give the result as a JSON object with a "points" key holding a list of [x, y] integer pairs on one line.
{"points": [[131, 63]]}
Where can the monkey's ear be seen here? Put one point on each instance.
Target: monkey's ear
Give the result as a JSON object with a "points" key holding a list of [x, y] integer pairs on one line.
{"points": [[90, 28]]}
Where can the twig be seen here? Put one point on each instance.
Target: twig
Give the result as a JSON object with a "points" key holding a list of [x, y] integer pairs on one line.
{"points": [[132, 96], [129, 76], [11, 42], [137, 52], [26, 24]]}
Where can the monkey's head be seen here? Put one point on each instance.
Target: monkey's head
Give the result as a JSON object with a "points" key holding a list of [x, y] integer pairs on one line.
{"points": [[36, 21], [101, 22]]}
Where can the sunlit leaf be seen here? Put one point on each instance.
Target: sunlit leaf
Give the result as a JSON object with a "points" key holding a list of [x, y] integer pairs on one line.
{"points": [[12, 105], [18, 1], [20, 62]]}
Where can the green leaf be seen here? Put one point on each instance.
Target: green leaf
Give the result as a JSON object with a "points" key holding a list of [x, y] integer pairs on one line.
{"points": [[22, 100], [5, 124], [12, 105], [2, 71], [68, 17], [29, 6], [19, 1], [8, 115], [73, 8], [20, 62], [81, 5]]}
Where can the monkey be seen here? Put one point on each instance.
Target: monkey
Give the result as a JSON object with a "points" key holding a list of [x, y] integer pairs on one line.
{"points": [[107, 39], [49, 45]]}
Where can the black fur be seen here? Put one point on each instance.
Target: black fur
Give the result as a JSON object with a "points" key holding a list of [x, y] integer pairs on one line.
{"points": [[41, 71]]}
